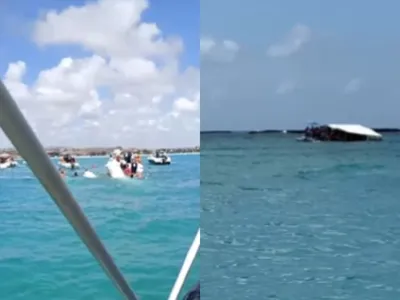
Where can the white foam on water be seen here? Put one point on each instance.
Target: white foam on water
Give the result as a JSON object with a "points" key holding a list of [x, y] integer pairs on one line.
{"points": [[89, 174]]}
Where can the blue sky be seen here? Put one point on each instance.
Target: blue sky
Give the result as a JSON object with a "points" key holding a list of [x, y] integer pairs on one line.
{"points": [[345, 68], [16, 19], [86, 67], [17, 16]]}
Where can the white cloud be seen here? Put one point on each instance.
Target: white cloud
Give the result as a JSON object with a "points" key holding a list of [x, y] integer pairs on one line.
{"points": [[292, 43], [353, 86], [206, 45], [230, 46], [184, 104], [111, 28], [285, 87], [148, 96], [221, 51]]}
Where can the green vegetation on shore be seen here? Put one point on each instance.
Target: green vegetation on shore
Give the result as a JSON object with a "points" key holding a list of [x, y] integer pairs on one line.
{"points": [[101, 151]]}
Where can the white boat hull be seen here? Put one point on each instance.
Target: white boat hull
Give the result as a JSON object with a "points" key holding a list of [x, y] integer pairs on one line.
{"points": [[159, 160], [306, 139], [69, 165], [89, 174], [5, 165], [114, 169], [8, 164]]}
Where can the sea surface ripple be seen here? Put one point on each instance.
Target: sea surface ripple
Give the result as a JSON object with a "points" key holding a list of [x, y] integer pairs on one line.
{"points": [[147, 226], [299, 221]]}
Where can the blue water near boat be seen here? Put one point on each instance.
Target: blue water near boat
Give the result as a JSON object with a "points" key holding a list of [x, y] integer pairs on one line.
{"points": [[147, 225], [299, 221]]}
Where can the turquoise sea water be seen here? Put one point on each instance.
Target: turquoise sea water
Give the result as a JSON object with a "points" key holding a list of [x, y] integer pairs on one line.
{"points": [[299, 221], [147, 226]]}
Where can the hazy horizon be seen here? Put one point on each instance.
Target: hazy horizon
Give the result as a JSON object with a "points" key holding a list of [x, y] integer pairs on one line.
{"points": [[108, 147], [281, 64], [289, 129]]}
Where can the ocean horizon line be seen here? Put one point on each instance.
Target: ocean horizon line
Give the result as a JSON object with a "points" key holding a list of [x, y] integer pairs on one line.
{"points": [[269, 131], [106, 156], [98, 149]]}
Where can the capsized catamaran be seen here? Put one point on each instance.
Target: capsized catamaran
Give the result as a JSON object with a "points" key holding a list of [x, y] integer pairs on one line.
{"points": [[21, 135]]}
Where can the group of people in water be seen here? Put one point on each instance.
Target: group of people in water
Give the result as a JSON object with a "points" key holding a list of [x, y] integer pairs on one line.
{"points": [[131, 165]]}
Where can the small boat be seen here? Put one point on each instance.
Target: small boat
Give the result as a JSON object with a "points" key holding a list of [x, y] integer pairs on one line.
{"points": [[7, 161], [69, 162], [339, 133], [159, 158]]}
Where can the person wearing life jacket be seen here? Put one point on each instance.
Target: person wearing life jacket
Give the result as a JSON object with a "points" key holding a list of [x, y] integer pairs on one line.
{"points": [[127, 170], [139, 167], [128, 157], [133, 166]]}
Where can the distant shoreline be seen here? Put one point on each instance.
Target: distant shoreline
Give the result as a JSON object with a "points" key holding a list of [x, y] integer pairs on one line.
{"points": [[290, 131], [105, 151], [106, 156]]}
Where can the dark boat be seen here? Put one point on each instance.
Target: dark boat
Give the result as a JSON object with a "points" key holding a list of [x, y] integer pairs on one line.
{"points": [[339, 133]]}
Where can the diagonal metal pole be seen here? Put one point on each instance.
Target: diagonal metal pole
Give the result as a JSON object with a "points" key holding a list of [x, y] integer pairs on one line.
{"points": [[28, 146], [187, 264]]}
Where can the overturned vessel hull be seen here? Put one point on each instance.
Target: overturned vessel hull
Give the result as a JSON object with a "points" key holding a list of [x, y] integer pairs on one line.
{"points": [[341, 133]]}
